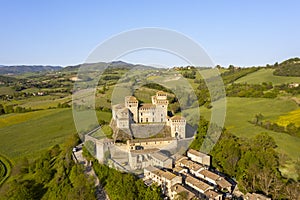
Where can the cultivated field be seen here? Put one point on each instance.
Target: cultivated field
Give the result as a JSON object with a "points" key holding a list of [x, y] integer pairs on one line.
{"points": [[28, 134]]}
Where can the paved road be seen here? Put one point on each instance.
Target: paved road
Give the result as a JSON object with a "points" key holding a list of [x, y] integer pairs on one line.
{"points": [[100, 192]]}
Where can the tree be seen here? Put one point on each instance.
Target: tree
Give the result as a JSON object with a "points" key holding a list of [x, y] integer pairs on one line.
{"points": [[264, 141], [258, 119]]}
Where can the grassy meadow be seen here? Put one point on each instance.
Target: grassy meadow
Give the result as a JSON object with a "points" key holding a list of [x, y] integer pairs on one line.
{"points": [[266, 75]]}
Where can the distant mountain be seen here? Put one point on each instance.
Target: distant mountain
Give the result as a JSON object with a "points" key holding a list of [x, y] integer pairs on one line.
{"points": [[21, 69], [114, 64]]}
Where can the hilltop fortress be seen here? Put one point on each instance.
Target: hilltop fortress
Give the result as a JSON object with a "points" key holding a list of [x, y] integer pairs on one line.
{"points": [[131, 113], [143, 135]]}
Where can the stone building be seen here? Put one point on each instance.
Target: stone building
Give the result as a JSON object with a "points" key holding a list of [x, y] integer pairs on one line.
{"points": [[139, 159], [163, 178], [177, 189], [199, 157], [131, 112], [178, 125]]}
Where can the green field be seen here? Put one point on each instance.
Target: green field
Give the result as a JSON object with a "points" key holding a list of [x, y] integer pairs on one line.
{"points": [[16, 118], [6, 91], [30, 137], [40, 102], [27, 134], [241, 110], [266, 75], [44, 102]]}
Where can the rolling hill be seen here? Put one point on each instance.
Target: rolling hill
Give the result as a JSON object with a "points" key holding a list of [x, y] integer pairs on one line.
{"points": [[21, 69]]}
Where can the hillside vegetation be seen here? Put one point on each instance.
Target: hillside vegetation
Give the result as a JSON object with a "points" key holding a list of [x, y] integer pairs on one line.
{"points": [[36, 115], [290, 67]]}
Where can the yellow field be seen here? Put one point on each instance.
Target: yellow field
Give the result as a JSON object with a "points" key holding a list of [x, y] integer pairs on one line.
{"points": [[291, 117]]}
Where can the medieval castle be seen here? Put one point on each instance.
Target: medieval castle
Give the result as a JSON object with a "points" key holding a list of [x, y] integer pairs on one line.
{"points": [[131, 112], [141, 133]]}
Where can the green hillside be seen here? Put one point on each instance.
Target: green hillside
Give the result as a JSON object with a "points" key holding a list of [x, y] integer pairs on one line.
{"points": [[266, 75], [242, 110], [290, 67]]}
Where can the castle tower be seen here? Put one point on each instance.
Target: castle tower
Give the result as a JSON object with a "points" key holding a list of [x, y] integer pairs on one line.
{"points": [[132, 104], [177, 124], [161, 103]]}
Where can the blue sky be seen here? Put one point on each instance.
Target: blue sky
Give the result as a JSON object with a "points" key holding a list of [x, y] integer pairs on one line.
{"points": [[65, 32]]}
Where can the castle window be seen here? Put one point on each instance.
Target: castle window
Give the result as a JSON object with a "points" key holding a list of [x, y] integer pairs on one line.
{"points": [[146, 119], [161, 119], [152, 119], [141, 114], [141, 120], [153, 113]]}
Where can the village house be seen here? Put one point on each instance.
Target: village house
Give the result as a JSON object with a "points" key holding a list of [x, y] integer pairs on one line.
{"points": [[197, 184], [163, 178], [179, 170], [199, 157], [223, 184], [209, 176], [213, 195], [193, 167], [177, 189], [254, 196]]}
